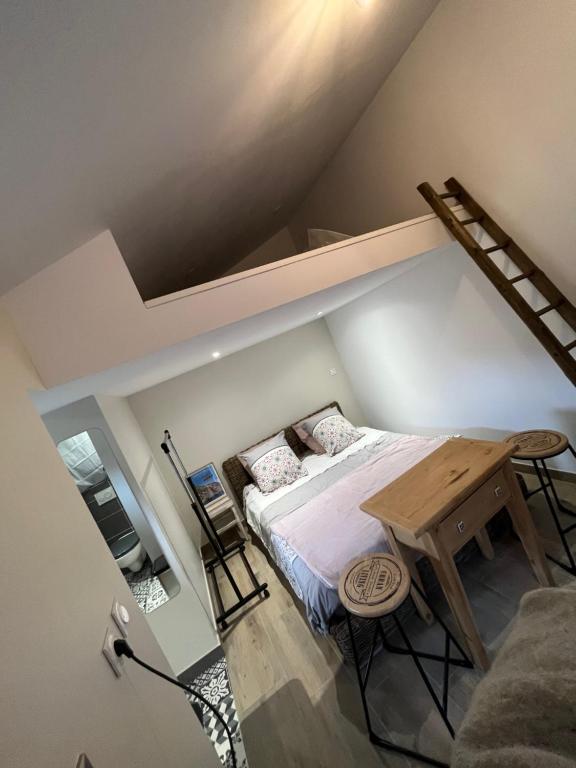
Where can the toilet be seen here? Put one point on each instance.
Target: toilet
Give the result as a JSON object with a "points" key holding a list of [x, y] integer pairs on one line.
{"points": [[129, 552]]}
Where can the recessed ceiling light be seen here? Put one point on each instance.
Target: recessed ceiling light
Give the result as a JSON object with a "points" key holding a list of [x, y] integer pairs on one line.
{"points": [[216, 355], [363, 3], [319, 314]]}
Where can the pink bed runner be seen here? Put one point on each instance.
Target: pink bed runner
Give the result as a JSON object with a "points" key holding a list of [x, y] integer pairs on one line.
{"points": [[330, 530]]}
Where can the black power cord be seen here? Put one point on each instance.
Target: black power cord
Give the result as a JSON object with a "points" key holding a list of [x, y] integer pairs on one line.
{"points": [[122, 648]]}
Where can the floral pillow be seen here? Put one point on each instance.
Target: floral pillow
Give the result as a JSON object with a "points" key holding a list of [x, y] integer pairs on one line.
{"points": [[272, 464], [331, 430]]}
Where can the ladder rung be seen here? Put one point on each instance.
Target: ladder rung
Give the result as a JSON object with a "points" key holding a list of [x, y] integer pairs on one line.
{"points": [[551, 299], [523, 276], [549, 308], [497, 247]]}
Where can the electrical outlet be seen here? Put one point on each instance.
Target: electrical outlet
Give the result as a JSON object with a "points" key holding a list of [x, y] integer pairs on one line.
{"points": [[109, 652], [121, 617], [332, 371]]}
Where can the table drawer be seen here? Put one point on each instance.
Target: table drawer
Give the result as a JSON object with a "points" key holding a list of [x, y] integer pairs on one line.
{"points": [[473, 513]]}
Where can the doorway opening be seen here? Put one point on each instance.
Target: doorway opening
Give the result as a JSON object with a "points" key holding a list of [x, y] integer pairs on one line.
{"points": [[87, 457]]}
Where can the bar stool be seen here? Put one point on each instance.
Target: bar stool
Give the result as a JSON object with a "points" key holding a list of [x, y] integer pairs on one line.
{"points": [[374, 586], [536, 446]]}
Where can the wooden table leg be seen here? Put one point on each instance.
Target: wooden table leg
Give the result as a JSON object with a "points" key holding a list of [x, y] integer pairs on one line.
{"points": [[526, 530], [408, 557], [483, 541], [449, 578]]}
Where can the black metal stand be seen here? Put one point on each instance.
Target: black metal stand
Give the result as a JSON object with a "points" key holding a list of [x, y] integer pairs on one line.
{"points": [[546, 484], [409, 650], [222, 553]]}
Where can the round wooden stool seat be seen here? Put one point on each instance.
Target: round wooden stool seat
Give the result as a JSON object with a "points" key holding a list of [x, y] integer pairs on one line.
{"points": [[374, 585], [538, 444]]}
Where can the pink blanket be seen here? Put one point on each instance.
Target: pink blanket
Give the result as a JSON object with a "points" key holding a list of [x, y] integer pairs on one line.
{"points": [[331, 529]]}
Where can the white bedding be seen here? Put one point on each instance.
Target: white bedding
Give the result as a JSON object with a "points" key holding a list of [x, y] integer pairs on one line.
{"points": [[314, 526], [255, 502]]}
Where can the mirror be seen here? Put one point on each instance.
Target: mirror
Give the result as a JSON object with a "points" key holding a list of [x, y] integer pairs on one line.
{"points": [[150, 579]]}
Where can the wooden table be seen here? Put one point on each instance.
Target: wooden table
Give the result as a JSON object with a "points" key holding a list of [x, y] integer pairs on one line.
{"points": [[445, 500]]}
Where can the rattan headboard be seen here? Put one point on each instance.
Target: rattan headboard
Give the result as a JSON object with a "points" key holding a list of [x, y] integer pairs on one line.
{"points": [[237, 476]]}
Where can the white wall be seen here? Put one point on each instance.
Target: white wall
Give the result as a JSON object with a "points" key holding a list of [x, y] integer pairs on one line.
{"points": [[83, 314], [484, 93], [215, 411], [279, 246], [58, 696], [438, 351], [184, 626]]}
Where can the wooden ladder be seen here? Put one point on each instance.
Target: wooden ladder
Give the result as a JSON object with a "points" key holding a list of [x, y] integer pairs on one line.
{"points": [[507, 286]]}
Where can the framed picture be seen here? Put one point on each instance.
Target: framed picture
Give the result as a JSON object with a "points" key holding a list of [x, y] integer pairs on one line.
{"points": [[207, 484]]}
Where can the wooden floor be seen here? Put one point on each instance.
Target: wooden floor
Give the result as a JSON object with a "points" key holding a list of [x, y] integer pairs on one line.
{"points": [[299, 704]]}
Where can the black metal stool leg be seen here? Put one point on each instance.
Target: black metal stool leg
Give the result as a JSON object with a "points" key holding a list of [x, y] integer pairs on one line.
{"points": [[465, 661], [362, 683], [446, 675], [559, 503], [424, 676], [445, 659], [545, 484]]}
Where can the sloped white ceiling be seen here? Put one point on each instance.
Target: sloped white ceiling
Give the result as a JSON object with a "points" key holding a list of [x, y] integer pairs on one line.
{"points": [[190, 128]]}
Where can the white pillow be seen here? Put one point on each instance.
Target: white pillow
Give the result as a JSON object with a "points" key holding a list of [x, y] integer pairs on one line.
{"points": [[272, 464], [331, 430]]}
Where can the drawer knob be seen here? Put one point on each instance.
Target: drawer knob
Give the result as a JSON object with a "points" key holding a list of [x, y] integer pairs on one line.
{"points": [[460, 526], [498, 491]]}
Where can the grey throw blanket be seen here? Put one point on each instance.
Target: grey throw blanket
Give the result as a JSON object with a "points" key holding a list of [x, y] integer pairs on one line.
{"points": [[523, 713]]}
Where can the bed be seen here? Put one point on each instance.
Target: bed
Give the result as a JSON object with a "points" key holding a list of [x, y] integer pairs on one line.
{"points": [[314, 526]]}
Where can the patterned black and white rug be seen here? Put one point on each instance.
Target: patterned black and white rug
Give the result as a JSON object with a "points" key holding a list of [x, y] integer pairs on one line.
{"points": [[146, 588], [214, 685]]}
